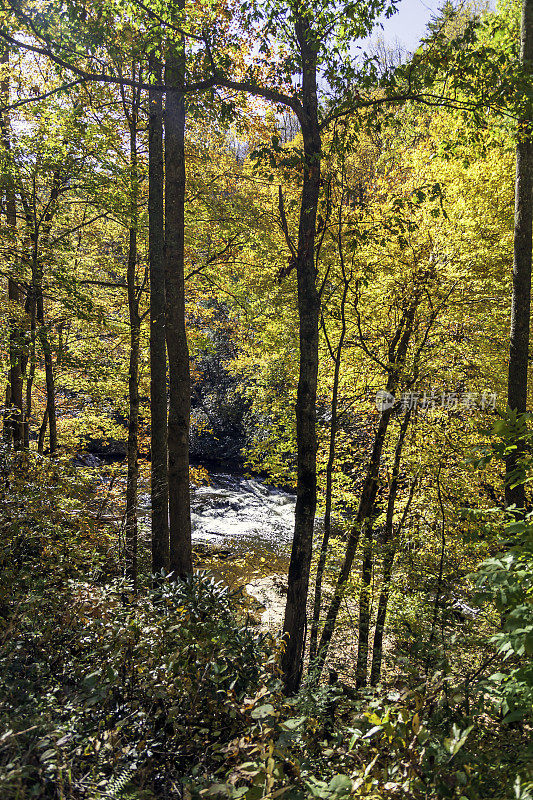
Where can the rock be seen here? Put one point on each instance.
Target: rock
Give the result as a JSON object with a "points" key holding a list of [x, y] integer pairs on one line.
{"points": [[107, 450], [267, 593], [87, 460]]}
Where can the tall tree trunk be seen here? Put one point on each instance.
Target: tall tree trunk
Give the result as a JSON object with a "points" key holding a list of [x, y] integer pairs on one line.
{"points": [[30, 369], [389, 548], [14, 417], [44, 339], [365, 509], [133, 376], [176, 335], [40, 240], [158, 354], [396, 359], [361, 670], [294, 624], [521, 299], [42, 432], [329, 477], [16, 345]]}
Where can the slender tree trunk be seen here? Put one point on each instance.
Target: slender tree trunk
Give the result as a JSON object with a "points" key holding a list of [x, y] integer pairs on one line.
{"points": [[158, 354], [30, 304], [366, 506], [14, 418], [329, 481], [397, 355], [176, 335], [39, 237], [42, 432], [361, 670], [16, 344], [521, 298], [381, 616], [47, 351], [294, 625], [389, 546], [133, 376], [440, 576]]}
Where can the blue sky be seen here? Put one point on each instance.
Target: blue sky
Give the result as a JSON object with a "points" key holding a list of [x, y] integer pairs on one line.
{"points": [[409, 22]]}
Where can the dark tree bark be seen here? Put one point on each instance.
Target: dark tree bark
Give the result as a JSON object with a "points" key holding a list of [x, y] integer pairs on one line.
{"points": [[176, 335], [389, 548], [46, 347], [158, 354], [361, 669], [42, 333], [38, 232], [331, 457], [521, 298], [294, 624], [39, 235], [131, 112], [14, 419], [14, 414], [30, 369], [396, 359], [42, 432], [364, 511]]}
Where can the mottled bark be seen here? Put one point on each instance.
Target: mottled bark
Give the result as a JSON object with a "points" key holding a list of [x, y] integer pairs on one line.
{"points": [[176, 336], [294, 624], [521, 297], [158, 354]]}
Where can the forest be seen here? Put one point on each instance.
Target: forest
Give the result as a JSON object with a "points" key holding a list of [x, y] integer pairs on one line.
{"points": [[266, 448]]}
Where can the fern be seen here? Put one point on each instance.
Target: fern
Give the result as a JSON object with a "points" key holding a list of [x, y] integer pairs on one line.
{"points": [[117, 784]]}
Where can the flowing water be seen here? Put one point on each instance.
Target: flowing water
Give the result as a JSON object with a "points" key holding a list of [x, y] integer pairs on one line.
{"points": [[252, 525], [242, 513], [242, 531]]}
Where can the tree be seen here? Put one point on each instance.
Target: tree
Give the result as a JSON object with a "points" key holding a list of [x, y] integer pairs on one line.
{"points": [[521, 296], [158, 356], [14, 422], [314, 45], [131, 107], [176, 335]]}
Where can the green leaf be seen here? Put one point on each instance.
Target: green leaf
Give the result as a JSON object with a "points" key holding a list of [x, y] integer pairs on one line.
{"points": [[293, 724], [262, 711]]}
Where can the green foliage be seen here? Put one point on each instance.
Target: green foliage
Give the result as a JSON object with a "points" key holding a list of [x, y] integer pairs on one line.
{"points": [[506, 580], [138, 693], [47, 535]]}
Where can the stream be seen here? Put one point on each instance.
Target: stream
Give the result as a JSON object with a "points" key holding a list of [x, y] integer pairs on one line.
{"points": [[241, 514], [239, 518], [242, 530]]}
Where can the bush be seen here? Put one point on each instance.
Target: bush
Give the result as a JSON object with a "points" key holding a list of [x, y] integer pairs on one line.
{"points": [[106, 693]]}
